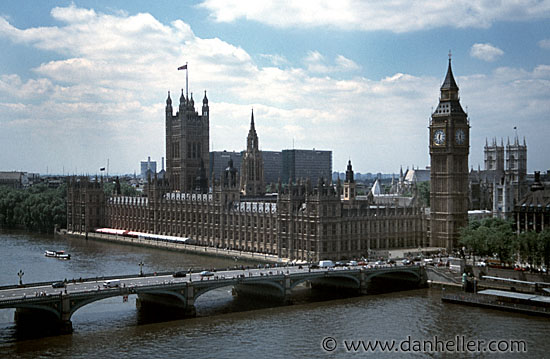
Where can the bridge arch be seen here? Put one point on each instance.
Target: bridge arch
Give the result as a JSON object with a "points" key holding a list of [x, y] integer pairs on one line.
{"points": [[41, 308], [413, 273], [353, 277], [271, 283], [77, 304]]}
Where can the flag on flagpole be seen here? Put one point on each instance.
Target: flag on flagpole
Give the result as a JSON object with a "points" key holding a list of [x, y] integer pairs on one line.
{"points": [[102, 169], [184, 67]]}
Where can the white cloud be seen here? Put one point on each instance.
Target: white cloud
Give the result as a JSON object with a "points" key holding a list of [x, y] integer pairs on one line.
{"points": [[485, 52], [96, 102], [395, 16], [275, 60], [316, 63], [544, 44]]}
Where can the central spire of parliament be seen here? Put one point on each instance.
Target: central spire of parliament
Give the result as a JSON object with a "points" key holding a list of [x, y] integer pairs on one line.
{"points": [[252, 166]]}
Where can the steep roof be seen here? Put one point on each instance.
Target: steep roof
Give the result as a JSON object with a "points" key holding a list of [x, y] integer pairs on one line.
{"points": [[449, 82], [376, 189]]}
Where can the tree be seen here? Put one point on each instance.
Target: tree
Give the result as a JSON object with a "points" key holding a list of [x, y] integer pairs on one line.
{"points": [[490, 236], [423, 189], [528, 247], [475, 238], [126, 189], [501, 238], [37, 208], [544, 248]]}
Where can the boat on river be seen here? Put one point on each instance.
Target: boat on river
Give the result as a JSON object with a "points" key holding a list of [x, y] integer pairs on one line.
{"points": [[57, 254]]}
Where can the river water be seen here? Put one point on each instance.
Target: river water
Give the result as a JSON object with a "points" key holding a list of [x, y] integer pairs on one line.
{"points": [[230, 327]]}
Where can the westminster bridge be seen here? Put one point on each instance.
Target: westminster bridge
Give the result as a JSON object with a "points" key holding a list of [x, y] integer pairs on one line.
{"points": [[42, 302]]}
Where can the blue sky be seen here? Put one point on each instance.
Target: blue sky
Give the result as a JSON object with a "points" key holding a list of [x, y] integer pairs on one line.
{"points": [[86, 81]]}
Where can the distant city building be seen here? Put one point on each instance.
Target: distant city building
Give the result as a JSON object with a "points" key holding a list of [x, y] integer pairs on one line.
{"points": [[14, 179], [302, 164], [219, 160], [273, 166], [148, 167]]}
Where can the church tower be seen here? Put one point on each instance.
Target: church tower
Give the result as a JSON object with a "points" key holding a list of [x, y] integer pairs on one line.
{"points": [[516, 167], [252, 165], [449, 149], [187, 144]]}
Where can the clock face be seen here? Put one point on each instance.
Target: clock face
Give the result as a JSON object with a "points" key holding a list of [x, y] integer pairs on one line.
{"points": [[460, 136], [439, 137]]}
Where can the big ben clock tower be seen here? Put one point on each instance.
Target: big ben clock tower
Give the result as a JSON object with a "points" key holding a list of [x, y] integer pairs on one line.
{"points": [[449, 149]]}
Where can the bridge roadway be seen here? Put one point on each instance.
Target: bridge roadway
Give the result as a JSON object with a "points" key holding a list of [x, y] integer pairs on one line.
{"points": [[40, 301]]}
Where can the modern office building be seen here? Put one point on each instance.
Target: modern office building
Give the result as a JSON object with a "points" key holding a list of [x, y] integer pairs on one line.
{"points": [[302, 164]]}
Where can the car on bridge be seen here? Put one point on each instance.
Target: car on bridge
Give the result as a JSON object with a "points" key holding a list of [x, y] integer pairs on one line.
{"points": [[179, 274], [206, 273], [58, 285], [113, 283]]}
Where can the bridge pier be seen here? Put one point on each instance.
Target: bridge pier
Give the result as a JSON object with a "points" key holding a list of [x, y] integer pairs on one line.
{"points": [[190, 310], [65, 324], [287, 294], [32, 318], [181, 302], [364, 283], [278, 290]]}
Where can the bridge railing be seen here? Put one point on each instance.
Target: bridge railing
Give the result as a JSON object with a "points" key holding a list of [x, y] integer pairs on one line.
{"points": [[97, 278], [197, 270]]}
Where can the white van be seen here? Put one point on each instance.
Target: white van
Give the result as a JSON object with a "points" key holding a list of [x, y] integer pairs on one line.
{"points": [[111, 283], [326, 264]]}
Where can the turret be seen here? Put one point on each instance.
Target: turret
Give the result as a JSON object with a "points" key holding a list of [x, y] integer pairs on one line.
{"points": [[349, 173], [182, 102], [252, 139], [349, 184], [168, 105], [205, 108]]}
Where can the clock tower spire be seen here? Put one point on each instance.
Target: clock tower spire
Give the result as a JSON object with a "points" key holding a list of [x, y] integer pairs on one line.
{"points": [[449, 150]]}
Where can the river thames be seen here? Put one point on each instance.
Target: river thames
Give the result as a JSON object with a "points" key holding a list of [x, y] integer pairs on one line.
{"points": [[232, 327]]}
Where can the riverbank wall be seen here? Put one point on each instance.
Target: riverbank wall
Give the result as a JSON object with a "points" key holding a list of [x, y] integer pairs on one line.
{"points": [[189, 248]]}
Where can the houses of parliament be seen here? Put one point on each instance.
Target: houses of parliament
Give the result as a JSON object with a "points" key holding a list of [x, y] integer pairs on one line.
{"points": [[301, 220]]}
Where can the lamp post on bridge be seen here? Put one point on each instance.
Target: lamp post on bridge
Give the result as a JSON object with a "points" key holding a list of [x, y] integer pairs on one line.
{"points": [[141, 268], [20, 275]]}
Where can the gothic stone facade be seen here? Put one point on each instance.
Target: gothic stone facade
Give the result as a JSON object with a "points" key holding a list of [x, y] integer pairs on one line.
{"points": [[503, 182], [85, 205], [187, 145], [304, 223], [252, 166]]}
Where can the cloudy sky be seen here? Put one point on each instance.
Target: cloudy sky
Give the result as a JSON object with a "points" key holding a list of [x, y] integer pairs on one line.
{"points": [[82, 82]]}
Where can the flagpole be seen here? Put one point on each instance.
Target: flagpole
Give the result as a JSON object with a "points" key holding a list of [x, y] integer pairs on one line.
{"points": [[186, 82]]}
